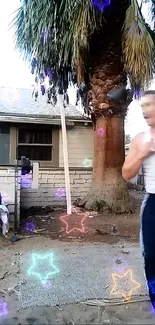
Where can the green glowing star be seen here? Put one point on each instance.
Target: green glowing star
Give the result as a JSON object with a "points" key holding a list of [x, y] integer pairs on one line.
{"points": [[87, 163], [41, 259]]}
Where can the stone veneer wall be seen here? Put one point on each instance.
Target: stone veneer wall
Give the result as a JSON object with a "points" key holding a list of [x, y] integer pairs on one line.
{"points": [[51, 189]]}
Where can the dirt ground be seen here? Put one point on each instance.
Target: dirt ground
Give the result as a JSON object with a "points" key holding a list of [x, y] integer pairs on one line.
{"points": [[98, 227], [106, 228]]}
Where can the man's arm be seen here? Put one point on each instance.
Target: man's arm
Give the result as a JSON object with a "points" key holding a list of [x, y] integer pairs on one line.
{"points": [[134, 159]]}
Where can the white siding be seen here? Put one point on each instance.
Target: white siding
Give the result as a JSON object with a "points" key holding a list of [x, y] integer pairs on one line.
{"points": [[80, 146]]}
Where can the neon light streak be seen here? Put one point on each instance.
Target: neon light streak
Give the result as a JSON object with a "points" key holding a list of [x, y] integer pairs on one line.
{"points": [[117, 277], [36, 258], [77, 220]]}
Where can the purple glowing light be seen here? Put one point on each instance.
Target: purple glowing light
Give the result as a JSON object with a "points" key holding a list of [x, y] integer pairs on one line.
{"points": [[152, 286], [135, 29], [101, 131], [152, 309], [47, 284], [44, 34], [5, 197], [119, 264], [3, 309], [30, 226], [101, 4], [137, 93], [60, 193], [26, 181]]}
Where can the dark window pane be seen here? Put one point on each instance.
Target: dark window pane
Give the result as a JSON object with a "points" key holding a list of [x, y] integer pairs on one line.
{"points": [[4, 129], [4, 144], [35, 136], [35, 153]]}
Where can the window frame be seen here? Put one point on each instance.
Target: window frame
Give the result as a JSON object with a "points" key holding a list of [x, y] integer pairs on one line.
{"points": [[14, 134]]}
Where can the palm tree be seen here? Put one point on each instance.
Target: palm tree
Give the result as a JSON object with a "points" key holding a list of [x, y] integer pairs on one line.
{"points": [[96, 44]]}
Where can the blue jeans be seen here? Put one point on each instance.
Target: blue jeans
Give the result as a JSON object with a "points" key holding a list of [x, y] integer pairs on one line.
{"points": [[147, 240]]}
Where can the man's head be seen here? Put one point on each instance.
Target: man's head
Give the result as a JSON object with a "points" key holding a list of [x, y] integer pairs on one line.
{"points": [[148, 107]]}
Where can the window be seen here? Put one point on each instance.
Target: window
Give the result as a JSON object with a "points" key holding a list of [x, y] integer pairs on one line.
{"points": [[35, 144], [4, 144]]}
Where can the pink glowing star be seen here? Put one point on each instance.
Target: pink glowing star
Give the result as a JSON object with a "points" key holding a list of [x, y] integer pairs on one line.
{"points": [[74, 222], [100, 131], [60, 193]]}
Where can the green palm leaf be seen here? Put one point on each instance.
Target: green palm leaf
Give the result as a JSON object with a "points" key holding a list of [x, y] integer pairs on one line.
{"points": [[58, 34], [138, 47]]}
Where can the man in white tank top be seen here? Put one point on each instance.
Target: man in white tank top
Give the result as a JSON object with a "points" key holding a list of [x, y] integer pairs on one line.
{"points": [[142, 153]]}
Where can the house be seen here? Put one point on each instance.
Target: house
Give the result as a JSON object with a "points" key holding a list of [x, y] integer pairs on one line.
{"points": [[33, 129]]}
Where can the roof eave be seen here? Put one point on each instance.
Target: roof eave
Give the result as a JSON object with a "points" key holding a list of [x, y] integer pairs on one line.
{"points": [[40, 120]]}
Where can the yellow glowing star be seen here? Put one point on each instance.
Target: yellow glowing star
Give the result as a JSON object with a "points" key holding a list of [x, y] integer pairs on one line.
{"points": [[127, 276]]}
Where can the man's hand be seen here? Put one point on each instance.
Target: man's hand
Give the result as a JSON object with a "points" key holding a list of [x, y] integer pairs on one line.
{"points": [[146, 149], [139, 150]]}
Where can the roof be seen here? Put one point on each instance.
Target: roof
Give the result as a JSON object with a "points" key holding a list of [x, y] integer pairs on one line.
{"points": [[17, 105]]}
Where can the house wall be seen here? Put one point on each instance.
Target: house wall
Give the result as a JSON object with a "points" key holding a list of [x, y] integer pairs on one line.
{"points": [[80, 141], [51, 190]]}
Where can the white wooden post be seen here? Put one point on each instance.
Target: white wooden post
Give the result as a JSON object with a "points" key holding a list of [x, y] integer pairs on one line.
{"points": [[65, 154]]}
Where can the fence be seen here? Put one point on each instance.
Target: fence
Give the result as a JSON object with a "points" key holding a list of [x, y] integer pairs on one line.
{"points": [[10, 192]]}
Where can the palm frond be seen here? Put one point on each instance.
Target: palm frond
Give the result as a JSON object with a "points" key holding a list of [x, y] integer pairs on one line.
{"points": [[64, 39], [138, 48]]}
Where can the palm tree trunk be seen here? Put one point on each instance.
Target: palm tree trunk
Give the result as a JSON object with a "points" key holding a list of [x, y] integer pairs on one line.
{"points": [[106, 72], [108, 187]]}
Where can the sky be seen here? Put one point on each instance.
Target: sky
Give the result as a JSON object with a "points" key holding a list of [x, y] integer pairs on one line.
{"points": [[15, 73]]}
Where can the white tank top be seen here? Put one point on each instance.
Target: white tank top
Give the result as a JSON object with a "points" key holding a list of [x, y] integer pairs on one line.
{"points": [[149, 167]]}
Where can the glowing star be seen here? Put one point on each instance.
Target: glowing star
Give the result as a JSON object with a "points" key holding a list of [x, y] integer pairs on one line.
{"points": [[3, 309], [119, 264], [44, 34], [30, 226], [73, 133], [74, 222], [47, 284], [126, 276], [100, 131], [88, 163], [101, 4], [134, 31], [26, 181], [60, 193], [40, 259]]}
